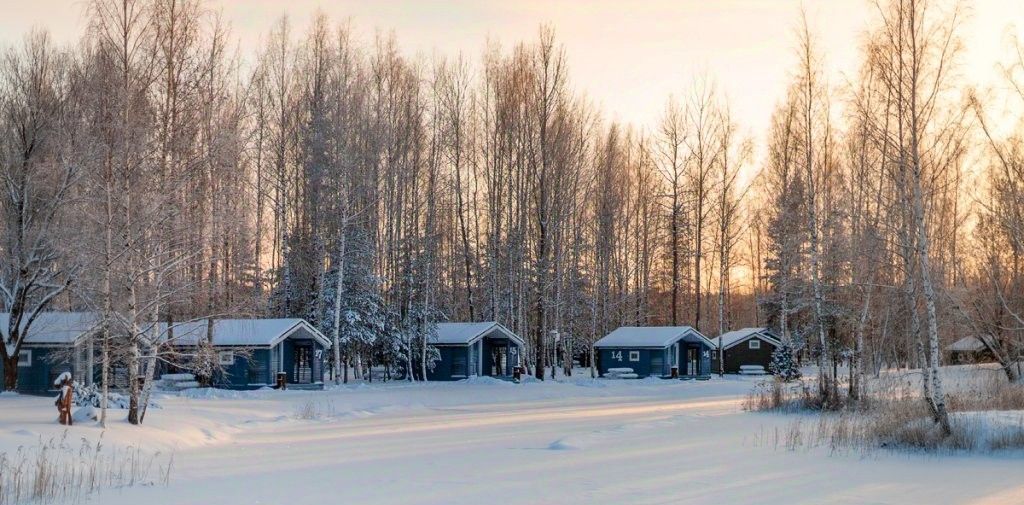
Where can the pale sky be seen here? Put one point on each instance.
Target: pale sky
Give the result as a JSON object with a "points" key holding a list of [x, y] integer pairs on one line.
{"points": [[625, 56]]}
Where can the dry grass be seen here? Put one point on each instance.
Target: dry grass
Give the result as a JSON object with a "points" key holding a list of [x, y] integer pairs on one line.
{"points": [[311, 410], [58, 471], [893, 415]]}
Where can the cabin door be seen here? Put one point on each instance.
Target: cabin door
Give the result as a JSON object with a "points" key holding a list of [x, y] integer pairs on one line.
{"points": [[303, 364], [692, 360], [499, 360]]}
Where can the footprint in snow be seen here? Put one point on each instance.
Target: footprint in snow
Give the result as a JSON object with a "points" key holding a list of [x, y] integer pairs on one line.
{"points": [[561, 445]]}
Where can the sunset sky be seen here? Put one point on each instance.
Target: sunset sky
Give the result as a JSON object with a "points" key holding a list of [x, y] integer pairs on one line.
{"points": [[625, 56]]}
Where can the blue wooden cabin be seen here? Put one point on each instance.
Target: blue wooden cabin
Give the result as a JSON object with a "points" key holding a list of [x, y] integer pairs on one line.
{"points": [[57, 342], [252, 351], [475, 349], [654, 350]]}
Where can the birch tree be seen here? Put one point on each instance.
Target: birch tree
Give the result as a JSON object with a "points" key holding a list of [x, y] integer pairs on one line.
{"points": [[37, 174]]}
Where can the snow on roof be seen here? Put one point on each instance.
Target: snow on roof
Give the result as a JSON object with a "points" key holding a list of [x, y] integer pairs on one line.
{"points": [[734, 337], [967, 344], [648, 336], [467, 333], [55, 327], [241, 332]]}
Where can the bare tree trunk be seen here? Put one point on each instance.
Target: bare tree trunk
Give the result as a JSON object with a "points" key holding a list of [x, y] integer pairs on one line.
{"points": [[339, 289], [937, 392]]}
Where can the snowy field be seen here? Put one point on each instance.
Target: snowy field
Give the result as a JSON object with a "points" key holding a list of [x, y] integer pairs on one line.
{"points": [[584, 441]]}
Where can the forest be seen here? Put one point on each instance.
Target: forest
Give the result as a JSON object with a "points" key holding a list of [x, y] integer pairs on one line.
{"points": [[156, 172]]}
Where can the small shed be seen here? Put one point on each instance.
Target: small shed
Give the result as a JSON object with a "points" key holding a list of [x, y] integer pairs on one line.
{"points": [[486, 349], [969, 350], [253, 351], [57, 342], [652, 351], [745, 347]]}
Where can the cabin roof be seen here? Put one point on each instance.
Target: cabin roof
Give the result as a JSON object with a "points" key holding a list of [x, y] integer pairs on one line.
{"points": [[468, 333], [732, 338], [241, 332], [967, 344], [650, 336], [56, 327]]}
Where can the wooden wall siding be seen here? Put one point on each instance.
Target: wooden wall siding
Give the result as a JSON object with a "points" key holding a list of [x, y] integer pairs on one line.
{"points": [[741, 354], [288, 357], [444, 367], [616, 357], [461, 361], [246, 373], [275, 362], [38, 378], [474, 357], [648, 364]]}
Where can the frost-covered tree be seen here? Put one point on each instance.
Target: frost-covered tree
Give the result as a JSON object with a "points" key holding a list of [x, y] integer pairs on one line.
{"points": [[784, 364], [37, 173]]}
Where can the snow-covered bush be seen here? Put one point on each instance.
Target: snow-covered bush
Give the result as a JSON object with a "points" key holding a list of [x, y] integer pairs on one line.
{"points": [[92, 396], [783, 364]]}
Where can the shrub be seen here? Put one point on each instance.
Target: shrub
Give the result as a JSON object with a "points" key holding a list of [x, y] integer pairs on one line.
{"points": [[59, 471]]}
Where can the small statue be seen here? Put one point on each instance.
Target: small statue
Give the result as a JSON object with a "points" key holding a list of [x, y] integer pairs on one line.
{"points": [[63, 402]]}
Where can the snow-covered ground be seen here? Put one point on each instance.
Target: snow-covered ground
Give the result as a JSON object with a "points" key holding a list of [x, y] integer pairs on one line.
{"points": [[483, 441]]}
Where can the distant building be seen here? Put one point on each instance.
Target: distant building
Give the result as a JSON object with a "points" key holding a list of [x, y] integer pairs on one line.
{"points": [[475, 349], [653, 351], [969, 350], [749, 347]]}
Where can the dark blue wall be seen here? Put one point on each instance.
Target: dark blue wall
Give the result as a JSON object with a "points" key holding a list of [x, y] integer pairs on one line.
{"points": [[443, 368], [255, 371], [618, 357], [39, 377], [246, 372]]}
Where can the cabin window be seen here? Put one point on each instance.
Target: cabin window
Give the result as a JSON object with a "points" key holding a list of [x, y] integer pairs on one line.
{"points": [[634, 355], [226, 357], [754, 344], [25, 358]]}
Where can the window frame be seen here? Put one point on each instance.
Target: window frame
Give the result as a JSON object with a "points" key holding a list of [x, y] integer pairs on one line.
{"points": [[751, 344], [221, 360], [27, 355], [634, 356]]}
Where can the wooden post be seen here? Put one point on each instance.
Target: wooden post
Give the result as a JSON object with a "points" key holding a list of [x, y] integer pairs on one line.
{"points": [[64, 401]]}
